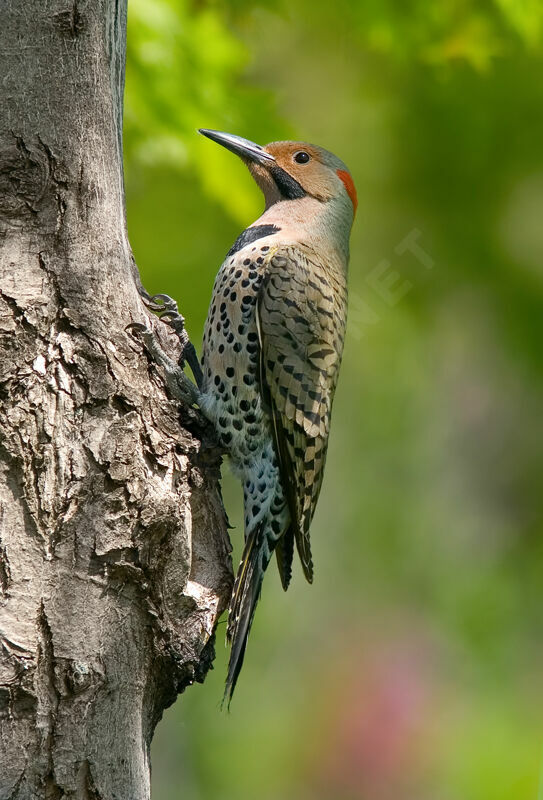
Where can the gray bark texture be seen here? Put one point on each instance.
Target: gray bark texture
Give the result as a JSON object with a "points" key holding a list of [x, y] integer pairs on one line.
{"points": [[114, 556]]}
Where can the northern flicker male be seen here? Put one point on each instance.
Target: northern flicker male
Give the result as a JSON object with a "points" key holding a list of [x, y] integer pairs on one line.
{"points": [[271, 355]]}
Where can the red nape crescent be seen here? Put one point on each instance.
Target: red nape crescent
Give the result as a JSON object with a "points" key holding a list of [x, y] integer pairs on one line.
{"points": [[345, 178]]}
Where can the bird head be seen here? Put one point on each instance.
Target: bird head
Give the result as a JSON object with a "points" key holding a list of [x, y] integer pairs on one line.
{"points": [[293, 170]]}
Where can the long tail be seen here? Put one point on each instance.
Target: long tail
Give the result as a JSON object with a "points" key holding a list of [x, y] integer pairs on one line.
{"points": [[256, 556]]}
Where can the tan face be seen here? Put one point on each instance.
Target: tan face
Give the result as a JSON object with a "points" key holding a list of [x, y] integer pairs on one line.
{"points": [[304, 163], [301, 169]]}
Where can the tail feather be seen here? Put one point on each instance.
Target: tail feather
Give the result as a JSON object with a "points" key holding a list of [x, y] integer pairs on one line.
{"points": [[245, 596], [284, 552]]}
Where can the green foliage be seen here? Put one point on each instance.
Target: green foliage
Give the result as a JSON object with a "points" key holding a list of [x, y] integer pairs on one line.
{"points": [[184, 61], [184, 71], [186, 67], [448, 31], [412, 667]]}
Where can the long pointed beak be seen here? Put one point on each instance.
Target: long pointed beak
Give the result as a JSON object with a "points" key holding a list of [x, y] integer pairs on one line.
{"points": [[244, 148]]}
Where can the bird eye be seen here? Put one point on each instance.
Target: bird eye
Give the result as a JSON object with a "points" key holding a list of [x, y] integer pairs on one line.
{"points": [[302, 157]]}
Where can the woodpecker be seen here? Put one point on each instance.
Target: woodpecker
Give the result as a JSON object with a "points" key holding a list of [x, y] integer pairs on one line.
{"points": [[272, 350]]}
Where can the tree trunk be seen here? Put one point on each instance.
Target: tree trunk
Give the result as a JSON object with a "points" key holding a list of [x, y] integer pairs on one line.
{"points": [[114, 558]]}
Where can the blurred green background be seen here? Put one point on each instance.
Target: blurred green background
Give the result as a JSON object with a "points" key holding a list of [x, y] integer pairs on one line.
{"points": [[412, 668]]}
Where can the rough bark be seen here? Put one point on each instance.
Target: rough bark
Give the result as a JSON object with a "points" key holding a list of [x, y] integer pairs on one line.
{"points": [[114, 559]]}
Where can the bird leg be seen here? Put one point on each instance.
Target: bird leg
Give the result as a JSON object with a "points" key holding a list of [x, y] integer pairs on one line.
{"points": [[167, 310], [179, 385]]}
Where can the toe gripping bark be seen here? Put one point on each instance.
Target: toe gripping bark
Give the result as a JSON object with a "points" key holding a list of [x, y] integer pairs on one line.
{"points": [[178, 383]]}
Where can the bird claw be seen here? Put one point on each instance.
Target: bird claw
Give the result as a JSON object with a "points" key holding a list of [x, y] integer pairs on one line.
{"points": [[177, 382], [176, 322], [136, 328], [166, 309], [161, 302]]}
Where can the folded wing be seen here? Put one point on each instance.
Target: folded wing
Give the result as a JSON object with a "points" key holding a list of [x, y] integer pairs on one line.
{"points": [[301, 323]]}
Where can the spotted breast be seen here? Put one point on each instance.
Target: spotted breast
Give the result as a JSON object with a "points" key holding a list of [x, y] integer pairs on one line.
{"points": [[271, 355]]}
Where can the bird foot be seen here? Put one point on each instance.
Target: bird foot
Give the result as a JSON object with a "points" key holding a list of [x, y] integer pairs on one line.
{"points": [[178, 384], [166, 309]]}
